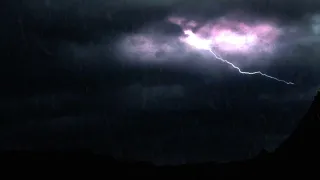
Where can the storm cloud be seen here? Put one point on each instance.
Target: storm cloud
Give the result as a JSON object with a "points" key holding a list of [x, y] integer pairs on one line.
{"points": [[61, 73]]}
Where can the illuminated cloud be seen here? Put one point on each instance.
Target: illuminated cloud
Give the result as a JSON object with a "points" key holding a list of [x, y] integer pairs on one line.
{"points": [[232, 35]]}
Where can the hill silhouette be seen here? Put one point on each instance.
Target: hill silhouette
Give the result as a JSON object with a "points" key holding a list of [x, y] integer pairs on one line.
{"points": [[299, 151]]}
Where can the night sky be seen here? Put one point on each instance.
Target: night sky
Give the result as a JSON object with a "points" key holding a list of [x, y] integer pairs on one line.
{"points": [[68, 83]]}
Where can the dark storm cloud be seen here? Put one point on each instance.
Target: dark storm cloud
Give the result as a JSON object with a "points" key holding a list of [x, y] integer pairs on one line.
{"points": [[59, 43], [53, 36], [57, 62]]}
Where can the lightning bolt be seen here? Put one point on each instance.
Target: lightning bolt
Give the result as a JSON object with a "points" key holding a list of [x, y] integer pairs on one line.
{"points": [[204, 44], [248, 73]]}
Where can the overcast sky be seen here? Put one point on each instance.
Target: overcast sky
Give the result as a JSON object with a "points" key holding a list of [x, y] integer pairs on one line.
{"points": [[60, 72]]}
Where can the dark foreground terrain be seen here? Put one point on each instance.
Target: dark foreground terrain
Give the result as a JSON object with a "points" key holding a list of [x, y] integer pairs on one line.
{"points": [[299, 154]]}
